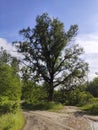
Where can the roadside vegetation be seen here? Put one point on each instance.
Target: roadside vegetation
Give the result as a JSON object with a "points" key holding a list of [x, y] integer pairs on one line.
{"points": [[49, 106], [12, 121], [11, 117]]}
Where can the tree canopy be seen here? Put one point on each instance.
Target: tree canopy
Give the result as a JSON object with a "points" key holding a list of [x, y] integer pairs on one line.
{"points": [[50, 55]]}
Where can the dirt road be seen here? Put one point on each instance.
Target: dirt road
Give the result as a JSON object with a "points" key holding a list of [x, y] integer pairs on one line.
{"points": [[70, 118]]}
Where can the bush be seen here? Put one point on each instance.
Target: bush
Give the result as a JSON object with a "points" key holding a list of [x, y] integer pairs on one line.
{"points": [[84, 98], [91, 108], [7, 105], [94, 109], [74, 97], [33, 93], [93, 100]]}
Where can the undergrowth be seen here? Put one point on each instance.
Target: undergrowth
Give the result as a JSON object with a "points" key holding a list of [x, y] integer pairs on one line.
{"points": [[91, 108], [50, 106]]}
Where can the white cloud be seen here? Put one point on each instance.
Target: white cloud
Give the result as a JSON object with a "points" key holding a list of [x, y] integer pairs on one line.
{"points": [[10, 48], [90, 44]]}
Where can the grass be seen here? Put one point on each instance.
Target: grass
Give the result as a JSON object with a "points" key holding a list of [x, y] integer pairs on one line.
{"points": [[50, 106], [12, 121], [55, 106]]}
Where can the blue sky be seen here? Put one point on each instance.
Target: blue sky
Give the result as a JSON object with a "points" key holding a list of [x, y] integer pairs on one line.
{"points": [[18, 14]]}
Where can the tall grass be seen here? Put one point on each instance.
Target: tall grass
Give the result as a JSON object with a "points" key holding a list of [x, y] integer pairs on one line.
{"points": [[12, 121]]}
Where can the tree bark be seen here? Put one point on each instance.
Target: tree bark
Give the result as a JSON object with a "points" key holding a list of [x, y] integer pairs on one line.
{"points": [[51, 93]]}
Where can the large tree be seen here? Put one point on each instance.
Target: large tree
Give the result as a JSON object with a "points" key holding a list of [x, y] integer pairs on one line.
{"points": [[50, 54]]}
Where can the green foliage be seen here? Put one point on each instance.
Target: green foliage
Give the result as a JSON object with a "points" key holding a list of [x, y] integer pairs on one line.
{"points": [[7, 106], [94, 109], [72, 97], [91, 108], [77, 96], [10, 89], [84, 98], [59, 96], [9, 83], [12, 121], [93, 87], [4, 56], [50, 106], [15, 65], [33, 93], [94, 100], [49, 54]]}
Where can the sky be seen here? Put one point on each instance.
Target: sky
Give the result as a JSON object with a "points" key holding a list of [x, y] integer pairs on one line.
{"points": [[18, 14]]}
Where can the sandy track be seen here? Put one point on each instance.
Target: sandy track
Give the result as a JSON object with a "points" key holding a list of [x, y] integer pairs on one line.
{"points": [[67, 119]]}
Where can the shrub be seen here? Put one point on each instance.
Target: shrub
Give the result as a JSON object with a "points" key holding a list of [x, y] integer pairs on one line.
{"points": [[33, 93], [94, 109], [84, 98], [91, 108], [7, 105], [93, 100], [77, 96]]}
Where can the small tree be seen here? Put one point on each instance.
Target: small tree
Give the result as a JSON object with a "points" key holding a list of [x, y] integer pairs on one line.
{"points": [[4, 56], [51, 56], [10, 89]]}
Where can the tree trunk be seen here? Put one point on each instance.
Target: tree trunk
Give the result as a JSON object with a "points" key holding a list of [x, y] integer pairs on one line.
{"points": [[50, 93]]}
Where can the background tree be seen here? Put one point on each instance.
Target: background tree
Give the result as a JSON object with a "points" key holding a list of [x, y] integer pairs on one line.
{"points": [[92, 87], [4, 56], [50, 55], [15, 65]]}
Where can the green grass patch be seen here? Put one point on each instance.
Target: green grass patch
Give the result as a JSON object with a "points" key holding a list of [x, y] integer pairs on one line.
{"points": [[12, 121], [50, 106]]}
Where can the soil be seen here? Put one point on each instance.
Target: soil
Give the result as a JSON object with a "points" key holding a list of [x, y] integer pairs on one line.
{"points": [[70, 118]]}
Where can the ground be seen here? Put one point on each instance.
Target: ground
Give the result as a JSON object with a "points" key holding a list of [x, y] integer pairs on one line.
{"points": [[70, 118]]}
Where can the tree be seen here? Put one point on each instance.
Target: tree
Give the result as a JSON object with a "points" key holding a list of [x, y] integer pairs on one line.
{"points": [[10, 89], [15, 64], [4, 56], [50, 55], [92, 87]]}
